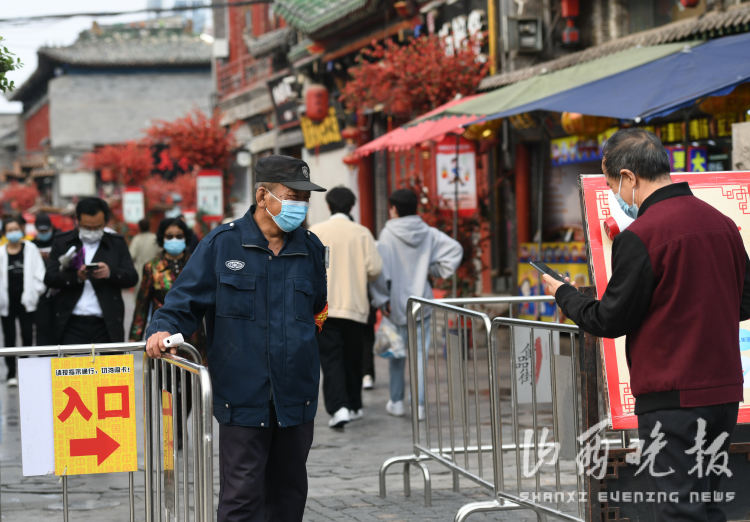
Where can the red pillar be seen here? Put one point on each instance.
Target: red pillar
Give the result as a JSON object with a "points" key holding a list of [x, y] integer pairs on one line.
{"points": [[523, 190], [365, 184]]}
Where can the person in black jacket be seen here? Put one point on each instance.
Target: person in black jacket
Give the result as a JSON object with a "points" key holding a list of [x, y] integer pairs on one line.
{"points": [[89, 267], [679, 287]]}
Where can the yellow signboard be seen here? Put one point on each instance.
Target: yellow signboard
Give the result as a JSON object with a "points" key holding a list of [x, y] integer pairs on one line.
{"points": [[93, 408], [323, 133], [167, 427]]}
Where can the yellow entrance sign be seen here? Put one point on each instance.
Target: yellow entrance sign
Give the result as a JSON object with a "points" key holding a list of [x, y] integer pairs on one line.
{"points": [[93, 408]]}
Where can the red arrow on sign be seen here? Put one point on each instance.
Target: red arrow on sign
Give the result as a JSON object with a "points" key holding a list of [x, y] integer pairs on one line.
{"points": [[102, 446]]}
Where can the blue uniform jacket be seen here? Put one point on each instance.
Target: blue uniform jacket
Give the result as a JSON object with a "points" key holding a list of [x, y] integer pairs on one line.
{"points": [[260, 320]]}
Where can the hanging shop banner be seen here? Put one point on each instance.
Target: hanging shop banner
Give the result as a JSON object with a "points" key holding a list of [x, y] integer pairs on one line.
{"points": [[457, 166], [323, 135], [93, 405], [133, 205], [726, 191], [284, 94], [209, 190]]}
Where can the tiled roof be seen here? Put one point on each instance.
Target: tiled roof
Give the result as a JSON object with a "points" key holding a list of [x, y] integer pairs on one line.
{"points": [[270, 41], [310, 16], [735, 18], [116, 50]]}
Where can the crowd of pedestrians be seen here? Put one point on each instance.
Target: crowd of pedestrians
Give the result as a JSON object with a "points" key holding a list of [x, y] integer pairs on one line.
{"points": [[268, 301]]}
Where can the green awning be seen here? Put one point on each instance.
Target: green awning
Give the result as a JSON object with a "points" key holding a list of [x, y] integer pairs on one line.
{"points": [[543, 85], [310, 16]]}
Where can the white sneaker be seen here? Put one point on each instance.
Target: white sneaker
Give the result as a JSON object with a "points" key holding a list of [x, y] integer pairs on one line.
{"points": [[13, 382], [356, 414], [367, 382], [339, 418], [420, 413], [395, 408]]}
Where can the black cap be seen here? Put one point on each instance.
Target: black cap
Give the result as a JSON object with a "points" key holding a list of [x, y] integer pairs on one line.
{"points": [[42, 222], [288, 171]]}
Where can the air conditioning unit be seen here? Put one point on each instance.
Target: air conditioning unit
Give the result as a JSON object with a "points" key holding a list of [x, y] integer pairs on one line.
{"points": [[525, 34]]}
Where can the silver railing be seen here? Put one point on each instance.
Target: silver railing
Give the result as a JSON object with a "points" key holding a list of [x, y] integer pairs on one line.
{"points": [[177, 374], [492, 409]]}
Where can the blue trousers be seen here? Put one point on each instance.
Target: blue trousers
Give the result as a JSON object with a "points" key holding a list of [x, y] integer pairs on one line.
{"points": [[396, 367]]}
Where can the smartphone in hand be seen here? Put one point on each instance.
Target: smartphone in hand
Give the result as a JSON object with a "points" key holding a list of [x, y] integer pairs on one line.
{"points": [[543, 268], [92, 267]]}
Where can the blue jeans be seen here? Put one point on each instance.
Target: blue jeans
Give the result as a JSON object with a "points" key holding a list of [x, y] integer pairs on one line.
{"points": [[396, 366]]}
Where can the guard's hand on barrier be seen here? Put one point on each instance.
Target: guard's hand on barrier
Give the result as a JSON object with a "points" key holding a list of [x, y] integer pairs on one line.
{"points": [[155, 345]]}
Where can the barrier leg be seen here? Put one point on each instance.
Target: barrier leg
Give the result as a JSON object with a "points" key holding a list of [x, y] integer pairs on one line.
{"points": [[403, 459], [407, 480], [485, 507]]}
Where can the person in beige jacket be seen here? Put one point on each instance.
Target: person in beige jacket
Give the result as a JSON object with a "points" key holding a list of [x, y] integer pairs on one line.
{"points": [[353, 261]]}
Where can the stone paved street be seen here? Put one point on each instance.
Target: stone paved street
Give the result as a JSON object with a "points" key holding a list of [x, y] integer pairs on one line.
{"points": [[343, 470]]}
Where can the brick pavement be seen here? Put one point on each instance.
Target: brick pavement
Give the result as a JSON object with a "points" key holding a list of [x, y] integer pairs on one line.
{"points": [[343, 470]]}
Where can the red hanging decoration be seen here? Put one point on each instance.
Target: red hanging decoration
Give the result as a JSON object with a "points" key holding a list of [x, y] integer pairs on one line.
{"points": [[316, 101], [568, 8]]}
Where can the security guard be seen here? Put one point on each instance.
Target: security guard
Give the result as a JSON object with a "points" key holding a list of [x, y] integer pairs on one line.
{"points": [[260, 282]]}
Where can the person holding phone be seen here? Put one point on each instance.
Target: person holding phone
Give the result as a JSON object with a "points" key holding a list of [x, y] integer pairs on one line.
{"points": [[90, 268], [680, 285], [21, 285]]}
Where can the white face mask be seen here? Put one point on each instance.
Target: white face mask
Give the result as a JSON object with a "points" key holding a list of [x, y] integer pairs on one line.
{"points": [[90, 236]]}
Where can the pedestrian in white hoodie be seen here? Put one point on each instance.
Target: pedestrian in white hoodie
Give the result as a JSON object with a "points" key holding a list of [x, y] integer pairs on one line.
{"points": [[411, 251], [21, 285]]}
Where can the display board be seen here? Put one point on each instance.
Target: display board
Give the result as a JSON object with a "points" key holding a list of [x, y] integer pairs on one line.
{"points": [[726, 191]]}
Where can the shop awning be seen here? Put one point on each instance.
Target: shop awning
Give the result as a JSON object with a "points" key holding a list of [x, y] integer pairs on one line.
{"points": [[430, 126], [651, 89], [544, 85]]}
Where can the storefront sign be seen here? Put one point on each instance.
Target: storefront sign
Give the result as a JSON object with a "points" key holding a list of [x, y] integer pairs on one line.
{"points": [[698, 159], [677, 158], [284, 94], [463, 30], [133, 205], [725, 191], [93, 404], [578, 149], [456, 166], [210, 197], [323, 134]]}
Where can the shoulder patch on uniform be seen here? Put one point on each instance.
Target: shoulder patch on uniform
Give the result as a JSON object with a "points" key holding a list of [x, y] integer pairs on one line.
{"points": [[234, 264]]}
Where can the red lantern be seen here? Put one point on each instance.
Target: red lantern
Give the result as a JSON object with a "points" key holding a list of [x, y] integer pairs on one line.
{"points": [[351, 160], [316, 100], [350, 133], [689, 3], [568, 8]]}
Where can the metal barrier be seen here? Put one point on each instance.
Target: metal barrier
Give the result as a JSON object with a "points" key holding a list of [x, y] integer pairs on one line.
{"points": [[486, 411], [170, 372]]}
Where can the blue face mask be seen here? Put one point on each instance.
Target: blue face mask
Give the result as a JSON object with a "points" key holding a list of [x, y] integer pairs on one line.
{"points": [[174, 247], [44, 236], [630, 210], [292, 213], [15, 236]]}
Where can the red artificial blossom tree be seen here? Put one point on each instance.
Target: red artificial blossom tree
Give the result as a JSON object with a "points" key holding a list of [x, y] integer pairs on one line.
{"points": [[19, 196], [411, 79], [128, 164], [190, 144], [193, 142]]}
